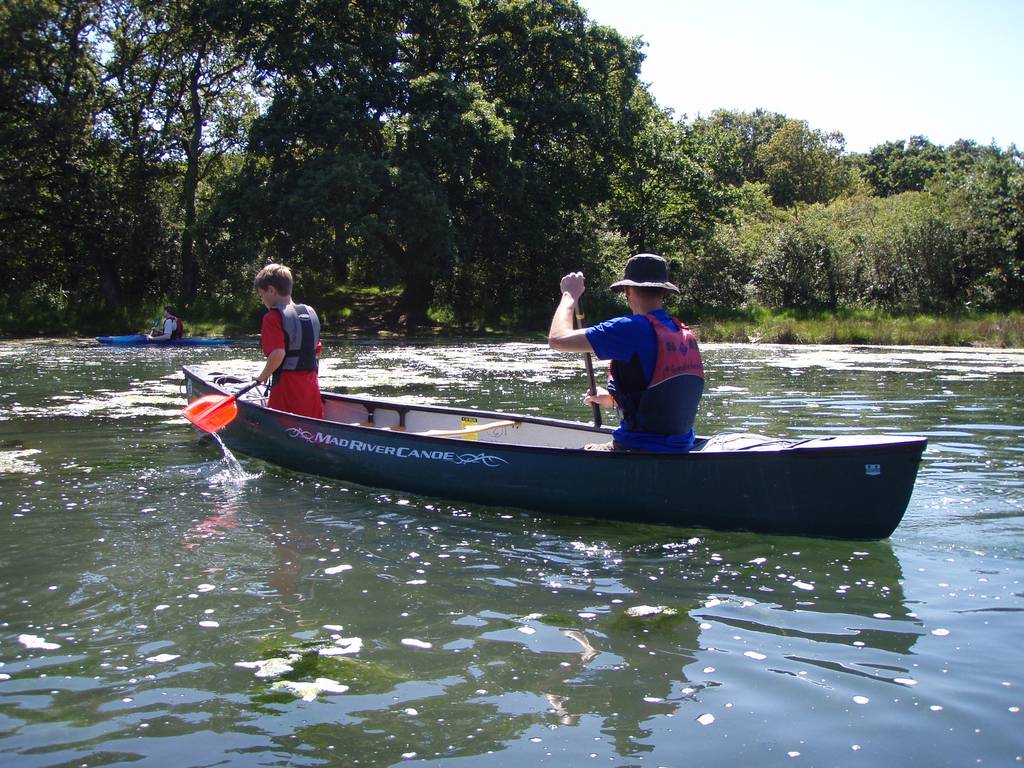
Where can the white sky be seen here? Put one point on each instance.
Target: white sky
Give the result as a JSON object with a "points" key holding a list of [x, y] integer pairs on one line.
{"points": [[875, 70]]}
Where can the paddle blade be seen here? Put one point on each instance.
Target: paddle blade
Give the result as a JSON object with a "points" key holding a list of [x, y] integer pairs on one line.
{"points": [[211, 413]]}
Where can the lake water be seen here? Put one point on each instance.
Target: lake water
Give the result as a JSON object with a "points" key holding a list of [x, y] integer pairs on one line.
{"points": [[145, 581]]}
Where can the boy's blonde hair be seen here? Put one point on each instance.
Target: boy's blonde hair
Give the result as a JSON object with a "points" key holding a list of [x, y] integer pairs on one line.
{"points": [[277, 276]]}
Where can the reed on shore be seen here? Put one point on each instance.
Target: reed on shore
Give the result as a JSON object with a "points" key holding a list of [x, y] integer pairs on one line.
{"points": [[865, 327]]}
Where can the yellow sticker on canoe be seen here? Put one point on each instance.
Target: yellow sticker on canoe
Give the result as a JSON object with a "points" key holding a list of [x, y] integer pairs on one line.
{"points": [[467, 423]]}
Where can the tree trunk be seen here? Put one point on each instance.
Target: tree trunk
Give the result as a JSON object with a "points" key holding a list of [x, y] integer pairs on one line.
{"points": [[416, 297], [339, 254], [417, 287], [190, 185]]}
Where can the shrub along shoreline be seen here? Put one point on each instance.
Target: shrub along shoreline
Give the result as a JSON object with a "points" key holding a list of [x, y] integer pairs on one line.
{"points": [[756, 326], [360, 312]]}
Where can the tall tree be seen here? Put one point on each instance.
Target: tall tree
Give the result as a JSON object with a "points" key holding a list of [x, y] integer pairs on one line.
{"points": [[564, 86], [182, 98], [54, 193], [896, 166], [739, 136], [483, 129], [314, 188], [804, 165], [666, 193]]}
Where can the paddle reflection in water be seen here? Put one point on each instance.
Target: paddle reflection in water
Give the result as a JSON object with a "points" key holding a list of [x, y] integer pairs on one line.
{"points": [[231, 480]]}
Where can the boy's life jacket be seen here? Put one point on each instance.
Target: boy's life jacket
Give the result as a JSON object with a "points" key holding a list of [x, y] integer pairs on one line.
{"points": [[667, 405], [301, 334]]}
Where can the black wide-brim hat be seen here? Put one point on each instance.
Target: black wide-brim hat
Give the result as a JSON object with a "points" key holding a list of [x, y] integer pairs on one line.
{"points": [[645, 270]]}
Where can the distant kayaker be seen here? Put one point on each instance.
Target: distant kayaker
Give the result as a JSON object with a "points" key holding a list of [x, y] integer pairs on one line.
{"points": [[170, 329], [290, 336], [656, 376]]}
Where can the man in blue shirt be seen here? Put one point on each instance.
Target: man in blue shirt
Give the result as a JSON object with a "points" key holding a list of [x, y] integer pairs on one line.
{"points": [[656, 375]]}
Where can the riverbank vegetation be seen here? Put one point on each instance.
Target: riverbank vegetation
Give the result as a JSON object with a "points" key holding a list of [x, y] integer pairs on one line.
{"points": [[369, 312], [866, 327], [423, 164]]}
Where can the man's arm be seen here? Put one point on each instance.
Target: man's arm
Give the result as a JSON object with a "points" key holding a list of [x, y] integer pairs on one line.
{"points": [[561, 336], [166, 334]]}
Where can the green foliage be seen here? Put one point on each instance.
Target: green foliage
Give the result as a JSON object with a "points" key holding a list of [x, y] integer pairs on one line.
{"points": [[896, 166], [665, 193], [738, 138], [987, 204], [952, 248], [462, 155], [803, 165], [101, 146], [454, 149], [715, 274]]}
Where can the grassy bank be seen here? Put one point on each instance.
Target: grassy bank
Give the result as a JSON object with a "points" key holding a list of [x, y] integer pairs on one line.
{"points": [[764, 326]]}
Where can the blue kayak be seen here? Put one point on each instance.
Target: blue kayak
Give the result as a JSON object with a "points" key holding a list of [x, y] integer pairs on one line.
{"points": [[139, 339]]}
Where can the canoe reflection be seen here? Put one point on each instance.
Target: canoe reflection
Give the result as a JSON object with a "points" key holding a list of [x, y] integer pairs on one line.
{"points": [[504, 626]]}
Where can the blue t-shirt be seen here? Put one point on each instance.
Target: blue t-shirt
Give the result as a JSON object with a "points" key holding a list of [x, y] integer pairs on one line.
{"points": [[619, 339]]}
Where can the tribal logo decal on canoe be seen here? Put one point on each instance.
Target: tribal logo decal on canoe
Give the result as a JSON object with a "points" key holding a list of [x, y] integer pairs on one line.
{"points": [[401, 452], [477, 458]]}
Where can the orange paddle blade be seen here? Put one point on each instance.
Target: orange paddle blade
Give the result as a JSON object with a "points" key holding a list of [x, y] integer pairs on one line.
{"points": [[211, 413]]}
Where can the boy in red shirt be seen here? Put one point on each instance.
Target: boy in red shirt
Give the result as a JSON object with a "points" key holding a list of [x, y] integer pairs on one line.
{"points": [[290, 336]]}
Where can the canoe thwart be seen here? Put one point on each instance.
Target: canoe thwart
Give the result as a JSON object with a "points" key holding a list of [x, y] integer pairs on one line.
{"points": [[470, 429]]}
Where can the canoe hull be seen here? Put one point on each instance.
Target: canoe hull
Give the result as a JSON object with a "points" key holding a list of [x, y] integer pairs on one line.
{"points": [[851, 490]]}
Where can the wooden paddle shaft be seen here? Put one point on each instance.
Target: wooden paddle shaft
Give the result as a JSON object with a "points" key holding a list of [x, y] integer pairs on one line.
{"points": [[590, 367]]}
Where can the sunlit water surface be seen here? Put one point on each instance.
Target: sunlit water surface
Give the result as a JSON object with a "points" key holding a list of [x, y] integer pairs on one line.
{"points": [[154, 594]]}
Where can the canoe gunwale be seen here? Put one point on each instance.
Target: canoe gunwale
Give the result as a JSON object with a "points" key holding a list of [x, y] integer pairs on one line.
{"points": [[809, 448]]}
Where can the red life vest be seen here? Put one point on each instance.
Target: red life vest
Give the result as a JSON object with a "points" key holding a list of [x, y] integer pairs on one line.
{"points": [[667, 404], [678, 354]]}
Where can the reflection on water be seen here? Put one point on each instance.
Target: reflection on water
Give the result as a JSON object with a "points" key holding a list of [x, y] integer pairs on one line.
{"points": [[141, 564], [225, 498]]}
